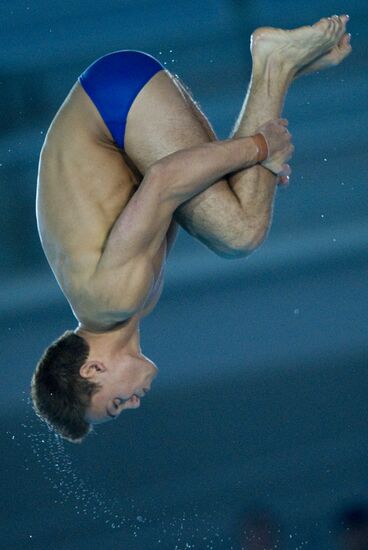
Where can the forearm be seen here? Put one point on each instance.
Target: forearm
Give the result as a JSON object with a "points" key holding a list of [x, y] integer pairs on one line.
{"points": [[189, 172]]}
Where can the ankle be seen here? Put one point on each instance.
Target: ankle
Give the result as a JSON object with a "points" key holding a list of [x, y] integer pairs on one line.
{"points": [[274, 69]]}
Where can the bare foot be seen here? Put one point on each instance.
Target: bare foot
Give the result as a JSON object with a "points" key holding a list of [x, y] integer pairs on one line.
{"points": [[299, 47], [330, 59]]}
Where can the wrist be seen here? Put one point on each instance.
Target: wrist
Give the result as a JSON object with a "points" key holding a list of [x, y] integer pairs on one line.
{"points": [[261, 144]]}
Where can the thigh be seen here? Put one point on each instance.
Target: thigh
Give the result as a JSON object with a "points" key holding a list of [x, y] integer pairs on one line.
{"points": [[161, 121], [164, 119]]}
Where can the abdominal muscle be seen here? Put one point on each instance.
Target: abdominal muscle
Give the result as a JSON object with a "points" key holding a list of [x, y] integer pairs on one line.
{"points": [[84, 183]]}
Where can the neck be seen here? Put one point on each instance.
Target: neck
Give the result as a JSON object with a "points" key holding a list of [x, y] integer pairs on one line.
{"points": [[125, 335]]}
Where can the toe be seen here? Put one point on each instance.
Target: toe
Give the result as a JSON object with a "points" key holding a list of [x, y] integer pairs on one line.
{"points": [[323, 24], [342, 25], [344, 18], [337, 29]]}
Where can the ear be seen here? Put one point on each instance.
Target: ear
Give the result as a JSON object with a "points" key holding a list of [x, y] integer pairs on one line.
{"points": [[91, 368]]}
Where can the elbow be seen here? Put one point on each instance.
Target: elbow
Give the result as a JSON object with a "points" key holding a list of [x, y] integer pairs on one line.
{"points": [[164, 170], [155, 176], [155, 171], [163, 176]]}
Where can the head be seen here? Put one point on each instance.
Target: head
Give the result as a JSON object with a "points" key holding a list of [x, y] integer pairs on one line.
{"points": [[60, 395], [75, 386], [122, 377]]}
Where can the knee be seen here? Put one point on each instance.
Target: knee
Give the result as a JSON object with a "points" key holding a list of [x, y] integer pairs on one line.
{"points": [[242, 244]]}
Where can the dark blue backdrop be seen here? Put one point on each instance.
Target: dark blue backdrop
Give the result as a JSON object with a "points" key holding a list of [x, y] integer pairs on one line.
{"points": [[261, 396]]}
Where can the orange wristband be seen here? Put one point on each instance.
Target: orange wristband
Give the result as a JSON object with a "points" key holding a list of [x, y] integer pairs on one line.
{"points": [[261, 143]]}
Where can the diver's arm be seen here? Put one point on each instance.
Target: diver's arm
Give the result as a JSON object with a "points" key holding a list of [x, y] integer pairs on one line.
{"points": [[125, 270]]}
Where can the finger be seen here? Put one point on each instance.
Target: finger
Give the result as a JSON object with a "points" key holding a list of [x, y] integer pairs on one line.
{"points": [[286, 140], [283, 181], [285, 170], [348, 45], [345, 41], [289, 153]]}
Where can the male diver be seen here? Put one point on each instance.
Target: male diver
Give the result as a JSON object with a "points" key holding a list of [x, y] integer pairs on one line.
{"points": [[127, 157]]}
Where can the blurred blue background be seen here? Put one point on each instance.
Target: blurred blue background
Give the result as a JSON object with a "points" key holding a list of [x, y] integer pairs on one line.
{"points": [[261, 399]]}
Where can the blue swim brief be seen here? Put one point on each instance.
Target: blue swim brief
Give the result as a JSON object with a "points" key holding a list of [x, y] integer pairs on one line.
{"points": [[113, 81]]}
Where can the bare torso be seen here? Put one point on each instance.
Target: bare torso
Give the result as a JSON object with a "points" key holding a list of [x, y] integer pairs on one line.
{"points": [[84, 183]]}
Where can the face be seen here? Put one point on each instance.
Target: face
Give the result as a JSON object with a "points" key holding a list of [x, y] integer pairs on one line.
{"points": [[123, 383]]}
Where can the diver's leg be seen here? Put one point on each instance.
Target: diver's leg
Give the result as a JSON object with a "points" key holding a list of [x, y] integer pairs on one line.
{"points": [[231, 217], [273, 70], [164, 119]]}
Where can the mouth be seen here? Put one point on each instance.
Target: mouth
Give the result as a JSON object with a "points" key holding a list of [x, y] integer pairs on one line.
{"points": [[138, 396]]}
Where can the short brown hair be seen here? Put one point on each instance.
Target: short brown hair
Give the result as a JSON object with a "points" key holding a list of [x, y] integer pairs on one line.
{"points": [[60, 394]]}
